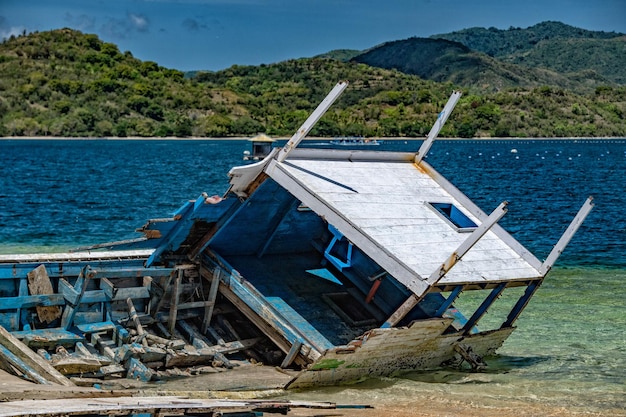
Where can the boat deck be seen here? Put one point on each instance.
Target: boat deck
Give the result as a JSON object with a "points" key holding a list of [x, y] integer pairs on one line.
{"points": [[330, 307]]}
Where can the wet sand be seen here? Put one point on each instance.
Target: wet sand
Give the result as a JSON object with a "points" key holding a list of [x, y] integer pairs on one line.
{"points": [[13, 388]]}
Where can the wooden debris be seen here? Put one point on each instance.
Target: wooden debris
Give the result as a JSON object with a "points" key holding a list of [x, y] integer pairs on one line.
{"points": [[31, 359], [39, 283], [154, 406]]}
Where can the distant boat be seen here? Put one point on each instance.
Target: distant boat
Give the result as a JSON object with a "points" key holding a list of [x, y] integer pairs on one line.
{"points": [[355, 141]]}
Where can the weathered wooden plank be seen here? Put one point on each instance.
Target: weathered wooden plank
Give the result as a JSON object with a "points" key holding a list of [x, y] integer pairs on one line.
{"points": [[174, 301], [28, 301], [39, 284], [48, 337], [291, 355], [305, 329], [33, 360], [161, 301], [208, 311], [151, 405], [273, 334], [135, 319], [102, 326], [86, 274], [8, 357], [72, 365]]}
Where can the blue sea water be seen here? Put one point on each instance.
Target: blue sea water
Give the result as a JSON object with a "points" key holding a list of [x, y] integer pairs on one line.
{"points": [[570, 345]]}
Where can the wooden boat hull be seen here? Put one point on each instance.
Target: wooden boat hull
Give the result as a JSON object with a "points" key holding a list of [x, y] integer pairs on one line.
{"points": [[391, 351]]}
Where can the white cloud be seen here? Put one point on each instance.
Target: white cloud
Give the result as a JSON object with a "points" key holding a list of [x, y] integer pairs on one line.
{"points": [[139, 22]]}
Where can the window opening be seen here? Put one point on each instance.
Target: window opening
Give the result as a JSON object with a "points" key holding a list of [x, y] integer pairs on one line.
{"points": [[455, 216]]}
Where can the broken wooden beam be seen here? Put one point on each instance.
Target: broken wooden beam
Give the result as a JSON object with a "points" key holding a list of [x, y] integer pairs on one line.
{"points": [[133, 316], [30, 358]]}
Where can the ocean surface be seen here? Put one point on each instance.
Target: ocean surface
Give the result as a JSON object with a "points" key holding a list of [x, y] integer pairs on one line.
{"points": [[570, 345]]}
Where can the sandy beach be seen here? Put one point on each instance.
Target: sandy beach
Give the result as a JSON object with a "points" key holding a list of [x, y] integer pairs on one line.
{"points": [[13, 388]]}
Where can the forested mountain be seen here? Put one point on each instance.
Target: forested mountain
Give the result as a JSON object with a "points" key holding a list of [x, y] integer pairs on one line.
{"points": [[447, 61], [504, 42], [549, 53], [66, 83]]}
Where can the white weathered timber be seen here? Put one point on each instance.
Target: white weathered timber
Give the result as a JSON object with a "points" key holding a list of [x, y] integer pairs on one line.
{"points": [[166, 405], [437, 126], [75, 256], [387, 351], [383, 208], [312, 119], [242, 178], [449, 263], [567, 236]]}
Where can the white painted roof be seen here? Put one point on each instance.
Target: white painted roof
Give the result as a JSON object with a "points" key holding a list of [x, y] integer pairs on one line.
{"points": [[380, 203]]}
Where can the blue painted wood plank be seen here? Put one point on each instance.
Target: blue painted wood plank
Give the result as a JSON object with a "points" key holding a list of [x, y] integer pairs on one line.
{"points": [[29, 301], [306, 330], [11, 358], [48, 337]]}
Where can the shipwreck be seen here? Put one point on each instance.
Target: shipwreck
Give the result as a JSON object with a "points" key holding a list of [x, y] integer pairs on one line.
{"points": [[333, 264]]}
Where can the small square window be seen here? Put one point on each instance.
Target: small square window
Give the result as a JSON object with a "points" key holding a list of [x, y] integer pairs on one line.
{"points": [[455, 216]]}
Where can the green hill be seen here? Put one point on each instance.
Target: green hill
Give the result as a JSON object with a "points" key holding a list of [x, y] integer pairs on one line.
{"points": [[69, 84], [589, 57], [344, 55], [448, 61], [504, 42]]}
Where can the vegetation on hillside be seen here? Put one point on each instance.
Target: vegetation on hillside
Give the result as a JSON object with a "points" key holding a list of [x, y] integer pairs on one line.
{"points": [[447, 61], [65, 83], [503, 42], [576, 53]]}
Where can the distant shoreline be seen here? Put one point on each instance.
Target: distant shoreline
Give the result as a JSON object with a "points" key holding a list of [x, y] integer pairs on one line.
{"points": [[116, 138]]}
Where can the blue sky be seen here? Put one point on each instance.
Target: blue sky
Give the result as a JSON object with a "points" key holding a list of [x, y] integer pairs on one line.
{"points": [[215, 34]]}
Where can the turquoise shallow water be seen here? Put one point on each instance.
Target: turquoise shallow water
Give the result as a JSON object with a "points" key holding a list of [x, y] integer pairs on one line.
{"points": [[569, 351], [570, 345]]}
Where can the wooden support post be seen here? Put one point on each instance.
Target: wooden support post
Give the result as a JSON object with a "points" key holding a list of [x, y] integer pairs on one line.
{"points": [[521, 304], [147, 283], [484, 306], [81, 283], [133, 316], [291, 355], [208, 310], [452, 260], [162, 300], [434, 131], [311, 120], [567, 236], [448, 302], [174, 302]]}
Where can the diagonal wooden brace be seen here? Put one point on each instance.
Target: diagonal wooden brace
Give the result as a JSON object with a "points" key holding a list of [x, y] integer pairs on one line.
{"points": [[438, 274]]}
